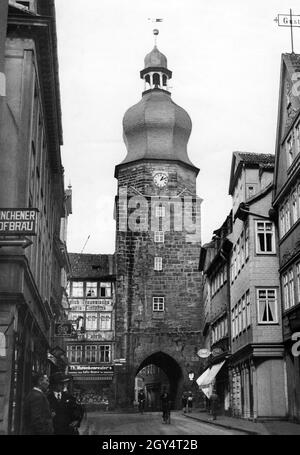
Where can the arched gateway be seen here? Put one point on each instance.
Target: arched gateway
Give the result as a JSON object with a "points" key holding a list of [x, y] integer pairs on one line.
{"points": [[158, 284], [157, 371]]}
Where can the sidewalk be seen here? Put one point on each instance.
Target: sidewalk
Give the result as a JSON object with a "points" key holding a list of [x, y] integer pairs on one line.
{"points": [[273, 427]]}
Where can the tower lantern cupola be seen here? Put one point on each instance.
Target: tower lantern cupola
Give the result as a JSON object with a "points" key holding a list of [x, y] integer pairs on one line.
{"points": [[155, 73]]}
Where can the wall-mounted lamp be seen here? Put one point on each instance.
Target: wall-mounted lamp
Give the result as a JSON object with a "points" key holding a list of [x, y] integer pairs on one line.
{"points": [[191, 375]]}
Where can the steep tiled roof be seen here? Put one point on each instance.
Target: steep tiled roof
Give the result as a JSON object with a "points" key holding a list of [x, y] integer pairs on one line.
{"points": [[262, 160], [84, 266], [257, 158]]}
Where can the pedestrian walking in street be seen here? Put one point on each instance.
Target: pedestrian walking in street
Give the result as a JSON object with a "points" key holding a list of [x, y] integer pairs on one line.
{"points": [[214, 399], [184, 402], [165, 405], [190, 402], [141, 400], [37, 414], [67, 413]]}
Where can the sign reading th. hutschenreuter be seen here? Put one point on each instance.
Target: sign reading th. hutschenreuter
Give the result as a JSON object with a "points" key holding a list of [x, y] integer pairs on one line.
{"points": [[18, 221]]}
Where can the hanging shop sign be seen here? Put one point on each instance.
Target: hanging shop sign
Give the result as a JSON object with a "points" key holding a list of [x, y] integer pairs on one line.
{"points": [[18, 221], [91, 369], [203, 353], [63, 329]]}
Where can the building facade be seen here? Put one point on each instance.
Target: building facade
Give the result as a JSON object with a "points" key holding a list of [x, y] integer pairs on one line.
{"points": [[286, 202], [158, 284], [31, 180], [91, 346], [215, 265], [256, 363]]}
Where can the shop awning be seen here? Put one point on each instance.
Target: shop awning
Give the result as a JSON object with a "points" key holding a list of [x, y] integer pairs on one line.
{"points": [[206, 378]]}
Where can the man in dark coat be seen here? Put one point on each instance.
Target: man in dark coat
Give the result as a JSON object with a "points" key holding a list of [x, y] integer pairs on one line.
{"points": [[37, 414], [67, 413]]}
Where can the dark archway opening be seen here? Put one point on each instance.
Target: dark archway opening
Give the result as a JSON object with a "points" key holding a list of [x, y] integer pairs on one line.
{"points": [[156, 372]]}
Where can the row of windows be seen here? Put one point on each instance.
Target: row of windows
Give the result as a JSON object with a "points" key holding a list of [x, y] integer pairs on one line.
{"points": [[240, 253], [264, 244], [289, 212], [293, 144], [219, 330], [218, 279], [241, 316], [91, 321], [90, 289], [93, 353], [267, 310], [288, 285]]}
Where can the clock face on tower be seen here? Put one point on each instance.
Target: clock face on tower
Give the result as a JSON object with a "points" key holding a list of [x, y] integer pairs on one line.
{"points": [[160, 179]]}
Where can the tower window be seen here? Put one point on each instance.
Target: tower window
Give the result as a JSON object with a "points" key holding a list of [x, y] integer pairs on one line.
{"points": [[158, 304], [164, 80], [156, 79], [160, 211], [159, 236], [158, 263]]}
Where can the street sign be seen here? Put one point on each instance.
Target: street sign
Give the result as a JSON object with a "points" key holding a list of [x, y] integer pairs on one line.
{"points": [[23, 242], [285, 20], [18, 221], [289, 20], [203, 353]]}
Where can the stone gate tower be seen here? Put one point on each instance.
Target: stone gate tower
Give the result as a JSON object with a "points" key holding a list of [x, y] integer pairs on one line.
{"points": [[158, 289]]}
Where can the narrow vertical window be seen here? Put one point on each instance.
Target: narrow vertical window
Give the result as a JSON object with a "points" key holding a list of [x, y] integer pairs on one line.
{"points": [[158, 263]]}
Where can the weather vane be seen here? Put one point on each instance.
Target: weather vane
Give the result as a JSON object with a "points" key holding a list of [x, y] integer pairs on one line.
{"points": [[289, 20], [155, 31]]}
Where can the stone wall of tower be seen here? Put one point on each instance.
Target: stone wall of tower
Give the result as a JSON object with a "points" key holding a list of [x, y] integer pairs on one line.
{"points": [[140, 332]]}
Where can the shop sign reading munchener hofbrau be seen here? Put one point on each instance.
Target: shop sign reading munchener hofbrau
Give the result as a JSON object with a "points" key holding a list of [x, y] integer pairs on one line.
{"points": [[18, 221]]}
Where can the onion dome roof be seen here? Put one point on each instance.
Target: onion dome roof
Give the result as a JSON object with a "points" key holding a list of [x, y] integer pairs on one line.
{"points": [[156, 128], [155, 59]]}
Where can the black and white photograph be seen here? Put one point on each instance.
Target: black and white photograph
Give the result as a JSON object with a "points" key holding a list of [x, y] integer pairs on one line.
{"points": [[149, 222]]}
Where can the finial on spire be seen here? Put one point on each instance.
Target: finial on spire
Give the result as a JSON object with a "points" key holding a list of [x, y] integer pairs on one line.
{"points": [[155, 33]]}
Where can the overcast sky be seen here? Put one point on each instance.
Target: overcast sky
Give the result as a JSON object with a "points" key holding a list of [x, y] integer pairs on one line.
{"points": [[225, 58]]}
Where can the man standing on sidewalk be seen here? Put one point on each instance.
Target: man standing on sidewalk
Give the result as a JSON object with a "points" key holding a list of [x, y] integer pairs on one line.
{"points": [[214, 404], [37, 415]]}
